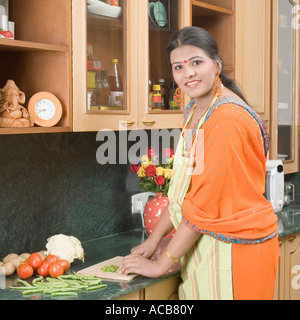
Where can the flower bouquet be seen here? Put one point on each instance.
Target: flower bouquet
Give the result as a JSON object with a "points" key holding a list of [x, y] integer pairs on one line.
{"points": [[154, 177]]}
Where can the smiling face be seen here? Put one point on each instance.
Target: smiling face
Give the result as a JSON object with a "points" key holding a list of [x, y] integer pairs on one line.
{"points": [[194, 71]]}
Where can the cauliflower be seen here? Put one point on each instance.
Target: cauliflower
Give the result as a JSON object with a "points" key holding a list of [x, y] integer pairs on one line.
{"points": [[65, 247]]}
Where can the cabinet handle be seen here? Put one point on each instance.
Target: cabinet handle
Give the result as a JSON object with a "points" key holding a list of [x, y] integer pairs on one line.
{"points": [[292, 238], [149, 122], [127, 123], [280, 243]]}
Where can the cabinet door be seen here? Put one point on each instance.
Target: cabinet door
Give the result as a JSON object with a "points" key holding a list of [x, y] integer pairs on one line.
{"points": [[154, 34], [253, 52], [285, 88], [166, 290], [101, 34], [279, 285], [292, 267]]}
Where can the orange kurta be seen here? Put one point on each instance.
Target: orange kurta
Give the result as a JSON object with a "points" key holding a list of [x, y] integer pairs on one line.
{"points": [[226, 199]]}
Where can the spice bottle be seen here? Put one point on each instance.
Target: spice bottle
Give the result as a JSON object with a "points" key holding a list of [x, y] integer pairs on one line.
{"points": [[116, 87], [156, 98], [172, 104], [162, 83]]}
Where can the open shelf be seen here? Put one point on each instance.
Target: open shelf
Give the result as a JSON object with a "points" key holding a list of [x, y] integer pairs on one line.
{"points": [[19, 45], [40, 56], [205, 9], [32, 130], [218, 18]]}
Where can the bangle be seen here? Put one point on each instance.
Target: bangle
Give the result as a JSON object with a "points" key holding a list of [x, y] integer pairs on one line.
{"points": [[170, 256]]}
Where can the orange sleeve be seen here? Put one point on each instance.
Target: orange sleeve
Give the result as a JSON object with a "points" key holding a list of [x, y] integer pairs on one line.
{"points": [[227, 197]]}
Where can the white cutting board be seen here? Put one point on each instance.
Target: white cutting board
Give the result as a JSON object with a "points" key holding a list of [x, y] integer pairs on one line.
{"points": [[95, 270]]}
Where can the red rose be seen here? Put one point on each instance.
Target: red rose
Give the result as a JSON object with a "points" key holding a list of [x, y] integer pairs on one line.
{"points": [[134, 168], [159, 180], [150, 170], [168, 153], [150, 152]]}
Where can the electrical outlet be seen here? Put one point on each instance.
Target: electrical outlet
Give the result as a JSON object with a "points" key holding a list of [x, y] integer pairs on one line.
{"points": [[138, 202]]}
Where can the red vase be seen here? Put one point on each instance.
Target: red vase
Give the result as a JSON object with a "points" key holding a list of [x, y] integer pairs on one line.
{"points": [[152, 212]]}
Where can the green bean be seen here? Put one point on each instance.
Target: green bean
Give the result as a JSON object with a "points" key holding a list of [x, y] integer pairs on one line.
{"points": [[87, 277], [68, 277], [24, 283], [110, 268], [33, 291], [61, 286], [34, 281], [21, 288], [64, 294], [61, 290], [92, 282], [96, 287]]}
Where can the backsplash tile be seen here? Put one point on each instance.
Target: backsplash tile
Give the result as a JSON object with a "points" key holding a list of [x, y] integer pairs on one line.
{"points": [[52, 183]]}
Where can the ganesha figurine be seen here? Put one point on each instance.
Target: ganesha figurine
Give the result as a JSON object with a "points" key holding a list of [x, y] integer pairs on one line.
{"points": [[12, 113]]}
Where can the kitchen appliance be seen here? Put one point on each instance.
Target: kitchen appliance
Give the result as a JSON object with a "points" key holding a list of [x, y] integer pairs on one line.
{"points": [[274, 189]]}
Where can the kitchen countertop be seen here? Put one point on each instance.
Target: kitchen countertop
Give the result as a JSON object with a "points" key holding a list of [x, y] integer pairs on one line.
{"points": [[119, 245], [288, 220], [97, 251]]}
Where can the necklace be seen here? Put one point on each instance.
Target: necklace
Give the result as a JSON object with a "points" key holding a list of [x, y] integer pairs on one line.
{"points": [[201, 120]]}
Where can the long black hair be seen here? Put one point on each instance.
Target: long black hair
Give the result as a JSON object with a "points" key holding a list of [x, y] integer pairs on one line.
{"points": [[202, 39]]}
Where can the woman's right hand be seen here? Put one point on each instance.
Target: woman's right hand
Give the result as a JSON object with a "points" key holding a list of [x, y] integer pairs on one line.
{"points": [[145, 249]]}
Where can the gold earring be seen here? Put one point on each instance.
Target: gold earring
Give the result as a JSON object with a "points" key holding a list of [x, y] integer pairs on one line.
{"points": [[217, 87], [178, 97]]}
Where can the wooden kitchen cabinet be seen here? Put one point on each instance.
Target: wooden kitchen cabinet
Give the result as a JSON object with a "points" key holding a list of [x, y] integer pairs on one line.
{"points": [[279, 285], [285, 74], [39, 58], [218, 18], [292, 267], [267, 68], [253, 53], [135, 42], [288, 275], [165, 290]]}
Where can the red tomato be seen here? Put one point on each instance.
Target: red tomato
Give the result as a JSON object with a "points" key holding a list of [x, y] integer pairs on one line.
{"points": [[25, 270], [35, 260], [56, 270], [51, 258], [64, 263], [43, 270]]}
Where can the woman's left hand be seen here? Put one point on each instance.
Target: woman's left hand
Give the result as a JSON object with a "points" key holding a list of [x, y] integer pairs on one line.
{"points": [[135, 263]]}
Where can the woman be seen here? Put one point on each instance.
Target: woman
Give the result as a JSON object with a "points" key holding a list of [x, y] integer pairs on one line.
{"points": [[226, 232]]}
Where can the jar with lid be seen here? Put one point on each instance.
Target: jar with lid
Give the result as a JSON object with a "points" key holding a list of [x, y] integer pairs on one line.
{"points": [[156, 103]]}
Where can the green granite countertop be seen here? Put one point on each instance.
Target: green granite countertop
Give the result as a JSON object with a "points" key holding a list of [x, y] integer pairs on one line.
{"points": [[288, 220], [97, 251], [119, 245]]}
